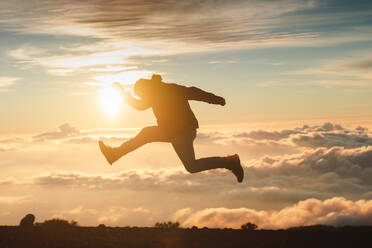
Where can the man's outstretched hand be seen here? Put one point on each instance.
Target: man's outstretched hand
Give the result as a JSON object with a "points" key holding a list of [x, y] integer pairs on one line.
{"points": [[221, 101], [121, 88]]}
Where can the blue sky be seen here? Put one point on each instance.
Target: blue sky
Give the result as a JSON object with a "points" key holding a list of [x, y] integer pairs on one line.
{"points": [[279, 64]]}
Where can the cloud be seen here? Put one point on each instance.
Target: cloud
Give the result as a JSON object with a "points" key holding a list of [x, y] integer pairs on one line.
{"points": [[98, 58], [278, 135], [113, 68], [5, 82], [168, 180], [67, 161], [250, 144], [344, 162], [351, 71], [68, 134], [162, 27], [326, 135], [223, 62], [181, 214], [148, 20], [115, 33], [331, 139], [65, 130], [159, 61], [281, 167], [9, 182], [335, 211], [364, 64], [5, 149], [111, 215], [14, 199], [317, 173]]}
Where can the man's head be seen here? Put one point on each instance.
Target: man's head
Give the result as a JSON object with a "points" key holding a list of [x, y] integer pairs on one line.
{"points": [[156, 78], [145, 87]]}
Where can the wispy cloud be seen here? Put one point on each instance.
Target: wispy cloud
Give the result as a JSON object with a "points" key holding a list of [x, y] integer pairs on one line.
{"points": [[159, 61], [119, 31], [14, 199], [201, 25], [223, 62], [6, 82], [354, 70], [144, 20], [105, 66]]}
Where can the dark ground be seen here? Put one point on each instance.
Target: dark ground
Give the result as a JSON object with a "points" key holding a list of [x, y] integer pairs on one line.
{"points": [[81, 237]]}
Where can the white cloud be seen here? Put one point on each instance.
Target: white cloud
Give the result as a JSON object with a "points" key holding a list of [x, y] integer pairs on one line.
{"points": [[335, 211], [317, 173], [65, 130], [5, 82], [110, 215]]}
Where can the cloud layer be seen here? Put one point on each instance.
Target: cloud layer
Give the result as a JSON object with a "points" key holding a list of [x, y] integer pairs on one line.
{"points": [[298, 164], [203, 21], [335, 211]]}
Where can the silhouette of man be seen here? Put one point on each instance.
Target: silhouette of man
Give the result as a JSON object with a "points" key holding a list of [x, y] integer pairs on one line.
{"points": [[177, 124]]}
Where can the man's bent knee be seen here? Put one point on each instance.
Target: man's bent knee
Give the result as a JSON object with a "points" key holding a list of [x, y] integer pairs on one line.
{"points": [[146, 131], [147, 135], [191, 167], [153, 134]]}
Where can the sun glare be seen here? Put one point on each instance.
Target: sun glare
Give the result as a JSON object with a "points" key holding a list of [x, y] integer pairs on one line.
{"points": [[111, 100]]}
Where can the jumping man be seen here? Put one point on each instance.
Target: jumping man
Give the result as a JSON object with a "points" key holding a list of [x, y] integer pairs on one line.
{"points": [[176, 124]]}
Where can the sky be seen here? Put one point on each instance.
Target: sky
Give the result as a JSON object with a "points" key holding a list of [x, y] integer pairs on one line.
{"points": [[296, 76]]}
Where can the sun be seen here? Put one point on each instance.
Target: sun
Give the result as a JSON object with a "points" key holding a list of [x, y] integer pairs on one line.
{"points": [[111, 100]]}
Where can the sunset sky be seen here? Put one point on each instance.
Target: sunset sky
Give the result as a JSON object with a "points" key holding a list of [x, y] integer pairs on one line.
{"points": [[296, 76]]}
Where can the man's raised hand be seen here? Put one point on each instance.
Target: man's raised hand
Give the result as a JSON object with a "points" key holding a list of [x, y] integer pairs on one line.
{"points": [[119, 86], [221, 101], [125, 93]]}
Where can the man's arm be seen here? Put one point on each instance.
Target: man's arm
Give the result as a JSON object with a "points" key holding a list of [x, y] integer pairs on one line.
{"points": [[193, 93], [138, 104], [135, 103]]}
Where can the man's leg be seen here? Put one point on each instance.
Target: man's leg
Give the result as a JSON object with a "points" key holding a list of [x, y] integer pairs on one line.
{"points": [[146, 135], [183, 145]]}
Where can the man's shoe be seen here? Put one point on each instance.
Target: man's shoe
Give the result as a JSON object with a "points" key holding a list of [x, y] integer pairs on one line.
{"points": [[236, 168], [107, 151]]}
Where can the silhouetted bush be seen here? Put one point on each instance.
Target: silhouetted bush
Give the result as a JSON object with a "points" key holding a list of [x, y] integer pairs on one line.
{"points": [[194, 228], [58, 223], [27, 221], [167, 225], [311, 228], [249, 226]]}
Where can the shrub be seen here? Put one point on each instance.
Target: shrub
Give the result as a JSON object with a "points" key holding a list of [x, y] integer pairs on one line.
{"points": [[249, 226], [167, 225], [27, 221], [58, 223]]}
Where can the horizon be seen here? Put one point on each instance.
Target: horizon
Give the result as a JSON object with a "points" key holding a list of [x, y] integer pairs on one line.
{"points": [[296, 76]]}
